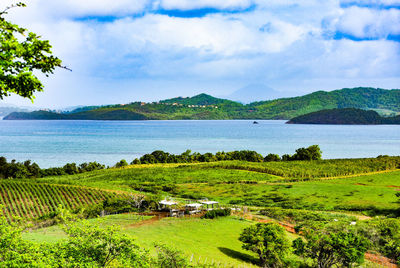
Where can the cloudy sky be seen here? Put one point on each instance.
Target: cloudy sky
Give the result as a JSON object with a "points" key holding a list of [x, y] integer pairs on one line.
{"points": [[127, 50]]}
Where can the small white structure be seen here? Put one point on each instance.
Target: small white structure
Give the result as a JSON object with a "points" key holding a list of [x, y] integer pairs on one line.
{"points": [[210, 203], [168, 205], [193, 208], [171, 206]]}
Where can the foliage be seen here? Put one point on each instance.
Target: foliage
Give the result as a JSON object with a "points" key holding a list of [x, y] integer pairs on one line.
{"points": [[268, 241], [87, 245], [28, 169], [169, 257], [187, 157], [22, 53], [312, 152], [384, 235], [331, 248], [272, 158], [215, 213], [100, 246], [121, 163]]}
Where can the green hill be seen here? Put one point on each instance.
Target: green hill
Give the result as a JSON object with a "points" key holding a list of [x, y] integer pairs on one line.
{"points": [[345, 116], [204, 106]]}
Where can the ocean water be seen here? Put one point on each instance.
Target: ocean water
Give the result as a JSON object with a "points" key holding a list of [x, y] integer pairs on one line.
{"points": [[54, 143]]}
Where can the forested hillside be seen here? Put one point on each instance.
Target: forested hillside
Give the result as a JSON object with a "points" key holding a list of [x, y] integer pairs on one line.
{"points": [[204, 106]]}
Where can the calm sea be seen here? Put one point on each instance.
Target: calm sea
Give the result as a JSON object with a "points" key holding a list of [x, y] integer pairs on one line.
{"points": [[54, 143]]}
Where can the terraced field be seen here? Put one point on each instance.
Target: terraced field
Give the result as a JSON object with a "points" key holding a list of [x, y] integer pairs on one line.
{"points": [[34, 200]]}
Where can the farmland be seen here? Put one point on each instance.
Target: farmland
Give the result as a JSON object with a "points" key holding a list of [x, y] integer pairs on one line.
{"points": [[348, 184], [290, 192], [31, 201]]}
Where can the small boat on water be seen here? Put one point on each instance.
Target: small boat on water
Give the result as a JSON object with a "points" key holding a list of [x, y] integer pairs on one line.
{"points": [[255, 123]]}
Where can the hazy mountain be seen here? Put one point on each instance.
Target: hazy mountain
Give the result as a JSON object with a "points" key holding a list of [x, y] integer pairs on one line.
{"points": [[254, 92]]}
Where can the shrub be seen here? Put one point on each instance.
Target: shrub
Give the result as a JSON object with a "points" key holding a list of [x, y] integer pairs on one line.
{"points": [[212, 214], [121, 163], [272, 158]]}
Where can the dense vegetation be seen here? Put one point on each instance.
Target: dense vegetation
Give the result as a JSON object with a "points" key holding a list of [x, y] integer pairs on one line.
{"points": [[27, 169], [204, 106], [313, 152], [345, 116]]}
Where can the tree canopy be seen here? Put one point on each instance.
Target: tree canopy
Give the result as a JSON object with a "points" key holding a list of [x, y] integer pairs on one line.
{"points": [[268, 240], [22, 54]]}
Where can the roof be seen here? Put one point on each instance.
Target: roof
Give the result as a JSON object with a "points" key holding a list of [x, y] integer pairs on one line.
{"points": [[209, 202], [194, 205], [167, 203]]}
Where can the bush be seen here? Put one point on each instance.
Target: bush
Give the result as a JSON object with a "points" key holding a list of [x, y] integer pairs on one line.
{"points": [[212, 214], [272, 158], [121, 163]]}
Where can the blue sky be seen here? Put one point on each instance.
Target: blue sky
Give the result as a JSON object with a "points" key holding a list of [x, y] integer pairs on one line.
{"points": [[128, 50]]}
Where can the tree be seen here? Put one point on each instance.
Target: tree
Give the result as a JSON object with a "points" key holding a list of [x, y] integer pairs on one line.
{"points": [[121, 163], [97, 246], [329, 248], [312, 152], [21, 54], [268, 241], [272, 158], [169, 257]]}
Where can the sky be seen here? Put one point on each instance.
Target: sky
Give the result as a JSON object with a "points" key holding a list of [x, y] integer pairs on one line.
{"points": [[129, 50]]}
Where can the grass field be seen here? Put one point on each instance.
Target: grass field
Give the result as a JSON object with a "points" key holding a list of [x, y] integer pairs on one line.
{"points": [[207, 240]]}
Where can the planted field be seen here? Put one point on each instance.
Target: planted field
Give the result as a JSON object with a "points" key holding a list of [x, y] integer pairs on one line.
{"points": [[226, 172], [298, 170], [34, 200], [362, 193]]}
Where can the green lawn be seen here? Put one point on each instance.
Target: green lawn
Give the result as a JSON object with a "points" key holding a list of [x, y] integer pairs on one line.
{"points": [[200, 239]]}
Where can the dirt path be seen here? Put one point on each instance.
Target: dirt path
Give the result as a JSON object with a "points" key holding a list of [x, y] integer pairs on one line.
{"points": [[156, 216]]}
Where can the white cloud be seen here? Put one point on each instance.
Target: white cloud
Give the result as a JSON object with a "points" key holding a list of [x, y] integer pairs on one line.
{"points": [[372, 2], [153, 56], [198, 4], [55, 10], [363, 22]]}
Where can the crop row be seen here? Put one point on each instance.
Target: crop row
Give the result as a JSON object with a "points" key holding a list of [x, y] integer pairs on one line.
{"points": [[33, 200], [316, 169]]}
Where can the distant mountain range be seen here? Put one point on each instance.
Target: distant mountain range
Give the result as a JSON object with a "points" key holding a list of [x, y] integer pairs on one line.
{"points": [[204, 106], [345, 116], [5, 110], [254, 92]]}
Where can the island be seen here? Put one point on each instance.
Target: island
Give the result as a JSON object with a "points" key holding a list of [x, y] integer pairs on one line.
{"points": [[345, 116]]}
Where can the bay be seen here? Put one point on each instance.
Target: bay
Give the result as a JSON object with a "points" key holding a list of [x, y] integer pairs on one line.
{"points": [[54, 143]]}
